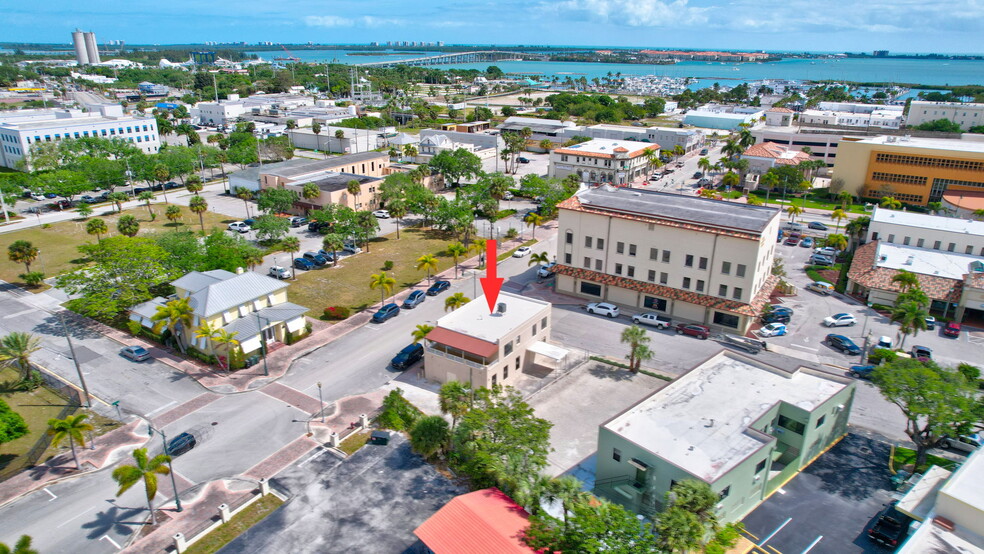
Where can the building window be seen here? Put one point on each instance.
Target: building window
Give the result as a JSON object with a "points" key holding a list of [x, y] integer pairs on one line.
{"points": [[569, 238], [567, 258], [905, 240], [891, 238], [664, 278], [587, 262], [495, 379], [726, 268], [759, 467], [651, 276], [543, 323], [736, 293], [725, 492], [791, 425], [598, 265], [630, 271], [969, 250], [592, 289], [632, 250], [654, 303], [740, 270], [952, 247], [722, 290], [587, 242], [936, 245], [618, 269], [616, 454], [654, 253], [920, 243], [686, 282], [666, 256], [689, 260], [534, 329], [700, 285], [505, 372], [725, 320], [620, 247], [821, 420], [601, 244], [702, 264]]}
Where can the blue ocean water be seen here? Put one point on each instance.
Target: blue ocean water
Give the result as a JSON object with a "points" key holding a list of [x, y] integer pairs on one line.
{"points": [[927, 72]]}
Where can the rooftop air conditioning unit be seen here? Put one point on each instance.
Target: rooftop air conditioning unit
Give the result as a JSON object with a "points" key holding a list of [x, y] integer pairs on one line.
{"points": [[501, 307]]}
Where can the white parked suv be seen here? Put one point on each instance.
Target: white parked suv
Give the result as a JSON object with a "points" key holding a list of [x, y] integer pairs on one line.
{"points": [[840, 320], [239, 226], [603, 308], [279, 272], [544, 270]]}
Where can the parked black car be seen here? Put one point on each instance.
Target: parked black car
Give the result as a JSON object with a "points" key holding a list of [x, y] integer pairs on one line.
{"points": [[891, 528], [842, 343], [776, 317], [181, 444], [410, 355], [438, 287], [316, 259], [316, 226]]}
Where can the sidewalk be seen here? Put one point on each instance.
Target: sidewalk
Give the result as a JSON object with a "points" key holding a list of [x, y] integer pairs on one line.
{"points": [[109, 448]]}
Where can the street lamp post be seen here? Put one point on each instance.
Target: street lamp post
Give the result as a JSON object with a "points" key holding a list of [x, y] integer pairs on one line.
{"points": [[322, 401], [170, 465], [864, 334], [263, 343], [85, 390]]}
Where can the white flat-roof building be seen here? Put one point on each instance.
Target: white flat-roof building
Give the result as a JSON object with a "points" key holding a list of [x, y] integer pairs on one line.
{"points": [[966, 115], [742, 425], [18, 132], [225, 112], [603, 161], [887, 119], [666, 137], [950, 234]]}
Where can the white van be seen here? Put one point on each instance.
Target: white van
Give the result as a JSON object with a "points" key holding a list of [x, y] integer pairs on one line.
{"points": [[822, 287], [791, 226]]}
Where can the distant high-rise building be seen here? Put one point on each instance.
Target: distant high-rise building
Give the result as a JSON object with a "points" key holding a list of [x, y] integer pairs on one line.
{"points": [[440, 43], [880, 53]]}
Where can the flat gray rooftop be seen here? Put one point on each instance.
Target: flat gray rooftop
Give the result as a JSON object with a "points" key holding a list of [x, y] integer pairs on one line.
{"points": [[677, 207], [339, 181], [473, 319]]}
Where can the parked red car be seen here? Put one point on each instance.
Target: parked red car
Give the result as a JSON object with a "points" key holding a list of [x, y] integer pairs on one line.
{"points": [[698, 331], [952, 329]]}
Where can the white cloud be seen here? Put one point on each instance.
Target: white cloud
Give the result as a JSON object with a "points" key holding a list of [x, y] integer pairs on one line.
{"points": [[634, 13], [370, 21], [328, 21]]}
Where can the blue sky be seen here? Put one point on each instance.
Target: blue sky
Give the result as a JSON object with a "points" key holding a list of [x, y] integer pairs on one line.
{"points": [[787, 25]]}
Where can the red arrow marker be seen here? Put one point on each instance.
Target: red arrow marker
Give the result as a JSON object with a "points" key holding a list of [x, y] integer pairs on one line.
{"points": [[490, 283]]}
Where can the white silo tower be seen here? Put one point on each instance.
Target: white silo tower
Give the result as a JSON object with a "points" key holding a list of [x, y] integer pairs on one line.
{"points": [[78, 40], [91, 49]]}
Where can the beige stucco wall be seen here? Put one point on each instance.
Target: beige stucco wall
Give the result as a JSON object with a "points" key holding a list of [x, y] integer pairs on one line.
{"points": [[897, 234]]}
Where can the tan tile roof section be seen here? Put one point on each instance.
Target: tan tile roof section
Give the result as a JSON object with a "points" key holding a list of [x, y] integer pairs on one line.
{"points": [[574, 203], [865, 273], [620, 150]]}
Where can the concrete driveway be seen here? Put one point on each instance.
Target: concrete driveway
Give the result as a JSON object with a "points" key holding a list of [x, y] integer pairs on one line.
{"points": [[829, 506], [370, 502]]}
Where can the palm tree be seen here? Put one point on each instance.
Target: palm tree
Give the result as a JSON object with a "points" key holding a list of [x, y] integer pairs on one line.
{"points": [[175, 314], [906, 280], [753, 200], [704, 164], [316, 129], [96, 227], [478, 247], [838, 215], [533, 219], [162, 174], [128, 225], [145, 470], [455, 301], [173, 213], [890, 203], [410, 151], [117, 198], [456, 249], [546, 144], [333, 242], [837, 241], [428, 263], [16, 349], [678, 151], [540, 258], [397, 209], [420, 332], [70, 428], [911, 318], [567, 489], [934, 207], [979, 214], [245, 195], [793, 211], [199, 205], [291, 244], [22, 546], [146, 196], [384, 283], [731, 180], [635, 336], [355, 189], [652, 158], [732, 149], [23, 252], [310, 191], [194, 184], [218, 337], [845, 198], [454, 400]]}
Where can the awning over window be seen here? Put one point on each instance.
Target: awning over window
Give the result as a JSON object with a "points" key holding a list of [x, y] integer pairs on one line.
{"points": [[548, 350]]}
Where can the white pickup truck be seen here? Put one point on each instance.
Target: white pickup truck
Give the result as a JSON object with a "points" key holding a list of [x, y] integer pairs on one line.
{"points": [[655, 320]]}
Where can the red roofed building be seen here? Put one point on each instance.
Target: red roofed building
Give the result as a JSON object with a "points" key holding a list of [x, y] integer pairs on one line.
{"points": [[766, 155], [480, 522], [616, 162]]}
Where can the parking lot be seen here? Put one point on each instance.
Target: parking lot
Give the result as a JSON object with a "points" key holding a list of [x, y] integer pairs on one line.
{"points": [[830, 505]]}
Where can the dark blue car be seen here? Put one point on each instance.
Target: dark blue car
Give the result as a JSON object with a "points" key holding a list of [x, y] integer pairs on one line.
{"points": [[438, 287], [408, 356], [416, 297], [386, 312], [862, 371], [315, 258], [844, 344], [303, 263]]}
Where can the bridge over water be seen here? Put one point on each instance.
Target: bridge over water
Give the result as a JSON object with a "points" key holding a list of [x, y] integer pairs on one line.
{"points": [[452, 58]]}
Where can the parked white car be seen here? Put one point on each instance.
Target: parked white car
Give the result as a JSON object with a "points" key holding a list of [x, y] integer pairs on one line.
{"points": [[239, 226], [279, 272], [654, 319], [603, 308], [773, 330], [381, 214], [840, 320], [522, 252], [544, 270], [884, 342]]}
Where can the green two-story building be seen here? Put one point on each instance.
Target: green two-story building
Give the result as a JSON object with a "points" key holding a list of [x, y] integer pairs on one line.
{"points": [[743, 425]]}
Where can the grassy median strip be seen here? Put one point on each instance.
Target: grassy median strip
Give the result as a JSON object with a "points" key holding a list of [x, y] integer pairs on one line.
{"points": [[352, 444], [626, 366], [239, 524], [505, 255], [905, 456]]}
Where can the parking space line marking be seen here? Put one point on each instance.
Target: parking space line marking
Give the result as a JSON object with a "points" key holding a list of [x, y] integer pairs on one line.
{"points": [[313, 456], [785, 523], [812, 544], [773, 549], [110, 539], [49, 492], [750, 534]]}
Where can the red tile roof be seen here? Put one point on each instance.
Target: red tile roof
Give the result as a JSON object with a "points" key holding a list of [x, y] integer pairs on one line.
{"points": [[734, 306], [865, 273], [480, 522], [463, 342], [574, 203], [776, 152], [780, 110]]}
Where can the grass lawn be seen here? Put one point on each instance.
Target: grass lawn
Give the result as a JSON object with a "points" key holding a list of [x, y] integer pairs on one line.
{"points": [[354, 442], [59, 241], [776, 199], [904, 456], [348, 284], [246, 518]]}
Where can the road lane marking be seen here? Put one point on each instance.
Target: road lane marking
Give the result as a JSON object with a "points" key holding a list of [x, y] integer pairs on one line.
{"points": [[812, 544], [49, 492], [168, 405], [18, 314], [82, 513], [110, 539], [766, 539]]}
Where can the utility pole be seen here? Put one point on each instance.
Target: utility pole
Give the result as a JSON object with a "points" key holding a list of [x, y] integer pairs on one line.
{"points": [[170, 466], [87, 401]]}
